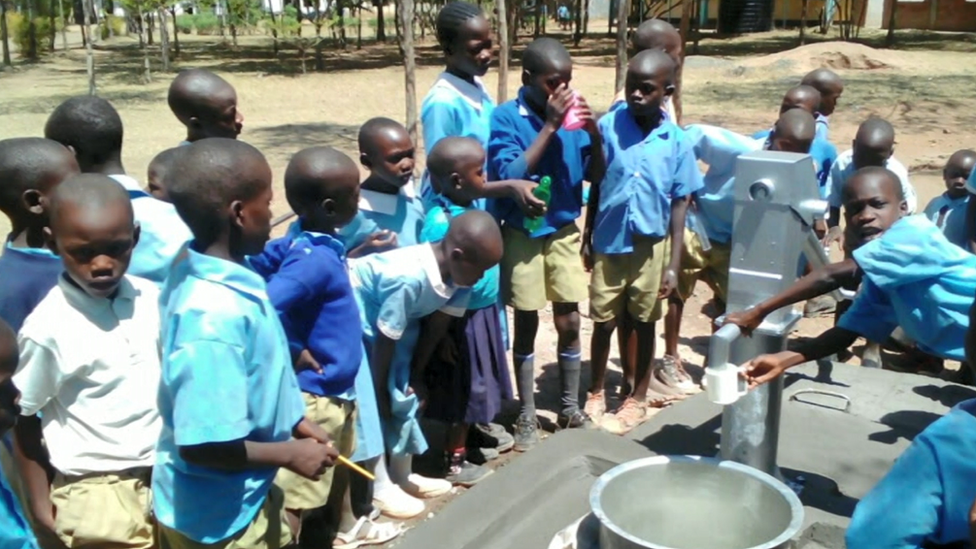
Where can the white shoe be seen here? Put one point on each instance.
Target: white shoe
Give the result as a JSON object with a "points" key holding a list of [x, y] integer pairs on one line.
{"points": [[395, 503], [425, 488]]}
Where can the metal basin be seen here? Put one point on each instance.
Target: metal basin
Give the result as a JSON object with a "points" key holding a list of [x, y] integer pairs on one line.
{"points": [[684, 502]]}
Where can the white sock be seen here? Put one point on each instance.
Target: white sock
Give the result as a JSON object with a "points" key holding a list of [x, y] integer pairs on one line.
{"points": [[401, 466], [383, 481]]}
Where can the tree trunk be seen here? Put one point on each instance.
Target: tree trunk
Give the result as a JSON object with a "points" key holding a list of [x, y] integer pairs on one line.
{"points": [[586, 17], [405, 9], [147, 75], [4, 33], [176, 33], [359, 29], [578, 33], [163, 38], [90, 54], [687, 9], [623, 10], [610, 19], [503, 51], [538, 19], [803, 21], [380, 23], [64, 26], [274, 30], [31, 31], [233, 34], [148, 21], [53, 31], [890, 37]]}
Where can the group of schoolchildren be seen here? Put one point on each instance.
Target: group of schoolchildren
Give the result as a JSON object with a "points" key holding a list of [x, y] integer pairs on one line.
{"points": [[186, 383]]}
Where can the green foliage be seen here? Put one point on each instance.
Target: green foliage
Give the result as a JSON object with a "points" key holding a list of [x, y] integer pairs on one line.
{"points": [[20, 31], [113, 22], [184, 23], [206, 23]]}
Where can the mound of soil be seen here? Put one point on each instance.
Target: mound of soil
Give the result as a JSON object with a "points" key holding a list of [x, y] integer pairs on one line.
{"points": [[831, 55]]}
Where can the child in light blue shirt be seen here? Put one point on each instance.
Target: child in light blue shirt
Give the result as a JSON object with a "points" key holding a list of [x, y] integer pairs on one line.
{"points": [[228, 397], [948, 210]]}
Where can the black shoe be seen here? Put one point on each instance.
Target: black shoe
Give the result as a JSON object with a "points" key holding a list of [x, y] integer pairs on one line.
{"points": [[462, 472], [481, 456], [526, 433], [491, 435], [574, 420]]}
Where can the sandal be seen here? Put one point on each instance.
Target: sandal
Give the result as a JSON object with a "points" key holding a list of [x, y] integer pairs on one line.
{"points": [[366, 532]]}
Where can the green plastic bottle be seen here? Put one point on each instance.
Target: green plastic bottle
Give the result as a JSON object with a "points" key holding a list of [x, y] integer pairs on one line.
{"points": [[544, 193]]}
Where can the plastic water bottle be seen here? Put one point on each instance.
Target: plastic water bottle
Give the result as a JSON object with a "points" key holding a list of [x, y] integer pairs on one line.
{"points": [[544, 193]]}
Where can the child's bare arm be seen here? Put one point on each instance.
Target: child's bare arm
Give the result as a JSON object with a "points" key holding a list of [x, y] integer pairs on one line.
{"points": [[308, 429], [766, 368], [35, 468], [586, 249], [383, 349], [520, 191], [818, 282], [598, 160], [669, 280], [432, 332], [306, 457]]}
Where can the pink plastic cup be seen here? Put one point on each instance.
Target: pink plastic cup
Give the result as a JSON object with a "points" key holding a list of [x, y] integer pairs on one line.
{"points": [[572, 121]]}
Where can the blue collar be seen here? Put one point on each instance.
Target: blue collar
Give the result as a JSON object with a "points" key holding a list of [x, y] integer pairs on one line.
{"points": [[662, 131], [296, 232], [227, 273], [37, 252]]}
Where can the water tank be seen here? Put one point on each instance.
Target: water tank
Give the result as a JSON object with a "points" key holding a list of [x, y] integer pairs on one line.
{"points": [[742, 16]]}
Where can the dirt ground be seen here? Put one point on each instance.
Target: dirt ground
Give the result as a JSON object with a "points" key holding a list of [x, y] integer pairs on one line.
{"points": [[924, 88]]}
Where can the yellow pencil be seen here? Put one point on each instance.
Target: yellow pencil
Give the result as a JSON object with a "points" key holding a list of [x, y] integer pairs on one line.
{"points": [[343, 460]]}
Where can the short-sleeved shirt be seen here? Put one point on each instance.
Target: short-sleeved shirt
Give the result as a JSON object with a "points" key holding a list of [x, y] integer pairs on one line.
{"points": [[162, 233], [949, 214], [308, 284], [227, 376], [454, 107], [514, 127], [823, 127], [925, 498], [844, 168], [720, 149], [28, 274], [90, 366], [644, 173], [485, 292], [401, 213], [914, 278]]}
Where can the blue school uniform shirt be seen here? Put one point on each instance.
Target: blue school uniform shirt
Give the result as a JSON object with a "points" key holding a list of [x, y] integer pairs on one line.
{"points": [[308, 284], [162, 233], [395, 290], [15, 531], [514, 127], [454, 107], [914, 278], [925, 498], [226, 375], [401, 213], [644, 173], [28, 274], [954, 219], [824, 155], [485, 292], [720, 149]]}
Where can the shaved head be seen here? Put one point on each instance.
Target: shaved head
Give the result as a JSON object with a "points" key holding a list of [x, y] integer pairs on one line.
{"points": [[212, 174], [875, 133], [91, 127], [92, 194], [206, 104], [31, 164], [546, 55], [794, 132], [317, 174], [802, 97], [451, 153], [656, 34], [375, 130], [830, 86], [474, 245], [652, 64]]}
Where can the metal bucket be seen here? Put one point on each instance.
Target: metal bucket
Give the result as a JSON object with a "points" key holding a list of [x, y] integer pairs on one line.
{"points": [[685, 502]]}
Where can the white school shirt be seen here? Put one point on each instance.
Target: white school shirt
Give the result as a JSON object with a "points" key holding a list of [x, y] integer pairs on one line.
{"points": [[843, 169], [90, 366]]}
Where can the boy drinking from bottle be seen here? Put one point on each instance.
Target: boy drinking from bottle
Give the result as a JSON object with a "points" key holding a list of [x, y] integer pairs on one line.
{"points": [[531, 139]]}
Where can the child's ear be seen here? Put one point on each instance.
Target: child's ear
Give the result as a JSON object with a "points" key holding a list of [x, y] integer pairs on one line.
{"points": [[328, 207], [364, 160], [669, 90], [526, 77], [33, 201], [136, 233], [456, 181], [236, 211], [195, 122], [49, 239]]}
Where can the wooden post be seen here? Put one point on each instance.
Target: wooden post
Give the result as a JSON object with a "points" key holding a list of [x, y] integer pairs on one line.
{"points": [[503, 52], [147, 75], [163, 38], [64, 26], [405, 9], [687, 9], [4, 33], [892, 12], [90, 53], [623, 13]]}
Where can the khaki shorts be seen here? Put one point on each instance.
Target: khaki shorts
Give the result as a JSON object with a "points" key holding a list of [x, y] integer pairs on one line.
{"points": [[711, 266], [268, 530], [629, 282], [536, 271], [338, 419], [104, 510]]}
